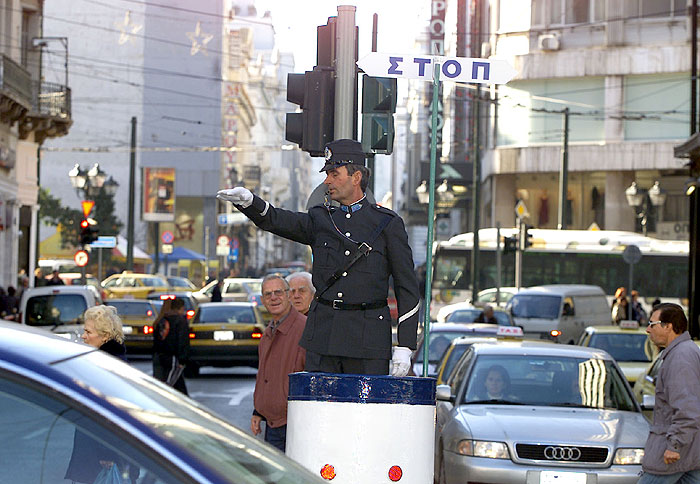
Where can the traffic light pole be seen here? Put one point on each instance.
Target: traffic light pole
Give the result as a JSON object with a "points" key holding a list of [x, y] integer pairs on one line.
{"points": [[519, 254], [346, 74], [431, 219]]}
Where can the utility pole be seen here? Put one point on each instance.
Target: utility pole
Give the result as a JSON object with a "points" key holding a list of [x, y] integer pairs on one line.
{"points": [[476, 191], [132, 183], [346, 73], [564, 175], [694, 270]]}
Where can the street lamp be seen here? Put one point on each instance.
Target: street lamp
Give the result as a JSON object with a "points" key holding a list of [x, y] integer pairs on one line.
{"points": [[645, 201]]}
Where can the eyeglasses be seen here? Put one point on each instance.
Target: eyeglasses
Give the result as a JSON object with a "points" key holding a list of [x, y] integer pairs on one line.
{"points": [[654, 323], [277, 292]]}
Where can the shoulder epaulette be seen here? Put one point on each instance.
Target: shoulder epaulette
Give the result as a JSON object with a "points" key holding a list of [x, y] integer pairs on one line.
{"points": [[384, 210]]}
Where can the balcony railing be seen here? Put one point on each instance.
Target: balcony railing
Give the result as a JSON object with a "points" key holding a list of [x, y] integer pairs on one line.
{"points": [[51, 99]]}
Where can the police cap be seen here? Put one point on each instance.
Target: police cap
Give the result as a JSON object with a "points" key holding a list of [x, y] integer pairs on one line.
{"points": [[343, 152]]}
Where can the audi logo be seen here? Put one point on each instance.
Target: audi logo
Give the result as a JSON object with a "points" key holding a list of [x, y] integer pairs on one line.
{"points": [[562, 453]]}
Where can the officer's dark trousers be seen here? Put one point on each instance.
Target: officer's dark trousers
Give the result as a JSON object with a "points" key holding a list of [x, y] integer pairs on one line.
{"points": [[276, 437], [340, 364]]}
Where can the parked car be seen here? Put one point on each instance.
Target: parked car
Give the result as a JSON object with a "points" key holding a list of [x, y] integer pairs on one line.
{"points": [[138, 317], [58, 309], [53, 391], [190, 302], [626, 342], [181, 283], [535, 412], [224, 334], [559, 311], [132, 284], [74, 278], [467, 313]]}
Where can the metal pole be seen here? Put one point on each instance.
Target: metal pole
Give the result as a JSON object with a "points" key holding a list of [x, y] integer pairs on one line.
{"points": [[629, 290], [156, 244], [519, 256], [132, 182], [431, 217], [499, 262], [564, 174], [693, 67], [206, 253], [476, 194], [99, 264], [345, 81]]}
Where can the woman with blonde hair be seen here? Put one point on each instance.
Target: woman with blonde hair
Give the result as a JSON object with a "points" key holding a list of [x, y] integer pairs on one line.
{"points": [[103, 330]]}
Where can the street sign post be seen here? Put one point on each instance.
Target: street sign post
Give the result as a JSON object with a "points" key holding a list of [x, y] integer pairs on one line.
{"points": [[430, 68], [631, 255], [104, 242], [421, 67]]}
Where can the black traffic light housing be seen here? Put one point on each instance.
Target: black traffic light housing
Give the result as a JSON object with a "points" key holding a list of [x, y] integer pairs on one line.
{"points": [[510, 244], [378, 108], [88, 234], [528, 237], [314, 92]]}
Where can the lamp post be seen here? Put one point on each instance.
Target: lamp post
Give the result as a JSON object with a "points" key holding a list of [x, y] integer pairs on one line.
{"points": [[645, 201]]}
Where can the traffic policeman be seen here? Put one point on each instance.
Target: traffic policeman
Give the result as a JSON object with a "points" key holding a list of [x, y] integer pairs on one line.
{"points": [[357, 246]]}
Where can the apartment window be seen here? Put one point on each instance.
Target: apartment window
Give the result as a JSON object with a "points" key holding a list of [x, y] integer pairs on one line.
{"points": [[655, 8], [26, 37], [564, 12], [656, 106]]}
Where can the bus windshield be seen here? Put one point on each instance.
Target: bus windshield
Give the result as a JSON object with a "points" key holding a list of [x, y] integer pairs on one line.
{"points": [[535, 306]]}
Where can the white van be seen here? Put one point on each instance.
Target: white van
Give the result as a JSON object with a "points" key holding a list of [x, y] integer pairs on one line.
{"points": [[559, 311], [58, 309]]}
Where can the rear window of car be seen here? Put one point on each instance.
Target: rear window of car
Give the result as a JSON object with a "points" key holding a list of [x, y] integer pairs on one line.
{"points": [[55, 309], [229, 314], [470, 315], [535, 306], [128, 308], [153, 282]]}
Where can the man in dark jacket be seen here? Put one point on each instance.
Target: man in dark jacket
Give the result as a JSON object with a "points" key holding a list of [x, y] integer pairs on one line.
{"points": [[349, 324], [171, 343], [672, 451]]}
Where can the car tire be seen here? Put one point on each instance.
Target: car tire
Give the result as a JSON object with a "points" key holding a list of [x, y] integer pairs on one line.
{"points": [[191, 370]]}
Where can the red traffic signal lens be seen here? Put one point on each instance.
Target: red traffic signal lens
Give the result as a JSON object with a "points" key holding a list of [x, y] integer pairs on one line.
{"points": [[84, 224]]}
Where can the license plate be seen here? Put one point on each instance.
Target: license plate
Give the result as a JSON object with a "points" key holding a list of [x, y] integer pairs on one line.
{"points": [[552, 477], [127, 329], [223, 335]]}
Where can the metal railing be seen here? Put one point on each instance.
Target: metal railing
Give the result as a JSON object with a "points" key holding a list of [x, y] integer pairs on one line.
{"points": [[15, 81], [51, 99]]}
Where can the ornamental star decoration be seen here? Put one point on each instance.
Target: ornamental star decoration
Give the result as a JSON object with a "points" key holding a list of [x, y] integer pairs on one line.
{"points": [[127, 28], [199, 40]]}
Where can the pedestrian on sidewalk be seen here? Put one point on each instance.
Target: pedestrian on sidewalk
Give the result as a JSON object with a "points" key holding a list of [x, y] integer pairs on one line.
{"points": [[279, 354], [171, 344], [672, 450]]}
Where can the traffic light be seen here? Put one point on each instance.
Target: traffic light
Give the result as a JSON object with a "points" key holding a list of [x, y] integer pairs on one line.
{"points": [[378, 107], [314, 92], [528, 237], [87, 234], [510, 244]]}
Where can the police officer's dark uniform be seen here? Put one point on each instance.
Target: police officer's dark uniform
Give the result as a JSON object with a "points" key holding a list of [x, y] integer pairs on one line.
{"points": [[350, 320]]}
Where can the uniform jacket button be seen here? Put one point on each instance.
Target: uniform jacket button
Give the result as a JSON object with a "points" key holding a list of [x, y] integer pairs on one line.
{"points": [[347, 234], [347, 252], [340, 294], [347, 215], [345, 274]]}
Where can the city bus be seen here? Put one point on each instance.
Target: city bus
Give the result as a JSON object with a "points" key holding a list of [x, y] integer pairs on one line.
{"points": [[563, 257]]}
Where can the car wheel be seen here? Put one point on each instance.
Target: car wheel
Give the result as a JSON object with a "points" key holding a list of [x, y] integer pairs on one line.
{"points": [[192, 370]]}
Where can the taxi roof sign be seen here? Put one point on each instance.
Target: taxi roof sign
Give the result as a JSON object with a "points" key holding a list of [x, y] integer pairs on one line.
{"points": [[629, 324], [512, 331]]}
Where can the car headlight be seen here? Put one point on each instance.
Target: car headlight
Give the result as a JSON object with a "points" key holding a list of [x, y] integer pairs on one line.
{"points": [[480, 448], [628, 456]]}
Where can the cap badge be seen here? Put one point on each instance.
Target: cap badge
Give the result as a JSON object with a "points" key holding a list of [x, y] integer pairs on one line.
{"points": [[329, 154]]}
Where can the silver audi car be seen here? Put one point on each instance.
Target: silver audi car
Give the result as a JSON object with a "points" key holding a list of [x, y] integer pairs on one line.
{"points": [[536, 413]]}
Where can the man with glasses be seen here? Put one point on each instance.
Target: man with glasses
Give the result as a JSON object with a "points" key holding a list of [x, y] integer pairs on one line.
{"points": [[302, 290], [672, 451], [279, 354]]}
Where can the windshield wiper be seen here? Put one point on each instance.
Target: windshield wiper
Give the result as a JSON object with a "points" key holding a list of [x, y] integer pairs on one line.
{"points": [[496, 401]]}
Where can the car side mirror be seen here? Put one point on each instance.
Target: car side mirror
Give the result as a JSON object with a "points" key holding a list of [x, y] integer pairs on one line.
{"points": [[443, 393], [648, 402]]}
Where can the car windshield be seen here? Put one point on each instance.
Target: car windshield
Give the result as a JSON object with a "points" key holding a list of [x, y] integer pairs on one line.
{"points": [[470, 315], [236, 456], [133, 308], [181, 282], [55, 309], [254, 287], [623, 347], [556, 381], [220, 313], [535, 306], [439, 342], [457, 351]]}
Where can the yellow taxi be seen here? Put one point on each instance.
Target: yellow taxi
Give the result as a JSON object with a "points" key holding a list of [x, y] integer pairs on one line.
{"points": [[133, 285], [138, 317], [627, 343]]}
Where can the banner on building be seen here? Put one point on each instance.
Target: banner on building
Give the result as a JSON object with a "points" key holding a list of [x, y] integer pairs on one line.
{"points": [[158, 194]]}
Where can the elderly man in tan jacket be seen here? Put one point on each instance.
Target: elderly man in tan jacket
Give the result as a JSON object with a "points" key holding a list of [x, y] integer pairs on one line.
{"points": [[672, 451]]}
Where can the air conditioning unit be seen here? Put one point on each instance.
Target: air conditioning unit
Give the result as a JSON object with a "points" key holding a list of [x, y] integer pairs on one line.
{"points": [[548, 41]]}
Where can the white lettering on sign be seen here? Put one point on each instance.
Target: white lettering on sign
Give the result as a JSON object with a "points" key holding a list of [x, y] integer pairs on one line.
{"points": [[461, 69]]}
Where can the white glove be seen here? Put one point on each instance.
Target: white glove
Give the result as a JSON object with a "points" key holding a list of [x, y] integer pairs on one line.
{"points": [[400, 361], [239, 196]]}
